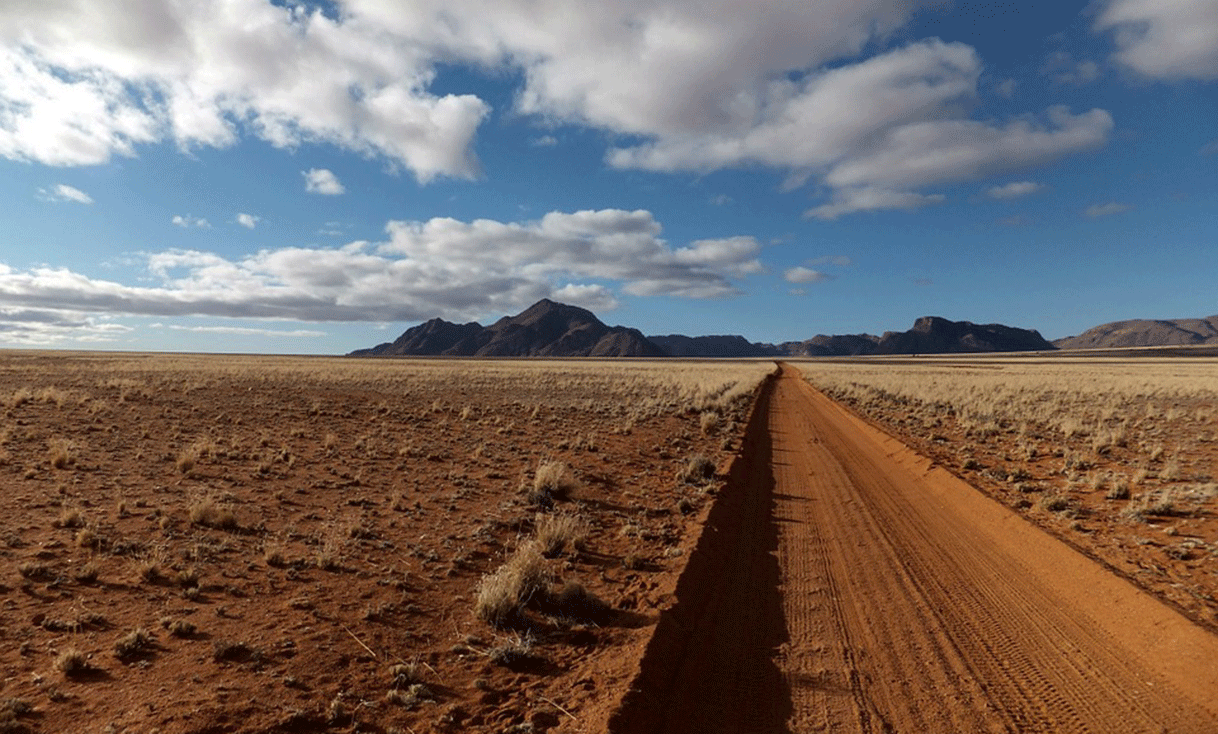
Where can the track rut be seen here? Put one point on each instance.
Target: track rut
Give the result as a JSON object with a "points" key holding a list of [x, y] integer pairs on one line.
{"points": [[843, 583]]}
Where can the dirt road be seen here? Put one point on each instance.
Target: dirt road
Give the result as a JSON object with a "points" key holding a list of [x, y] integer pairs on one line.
{"points": [[844, 584]]}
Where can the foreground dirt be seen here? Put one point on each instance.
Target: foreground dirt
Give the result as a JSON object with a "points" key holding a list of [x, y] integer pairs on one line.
{"points": [[845, 584], [284, 531]]}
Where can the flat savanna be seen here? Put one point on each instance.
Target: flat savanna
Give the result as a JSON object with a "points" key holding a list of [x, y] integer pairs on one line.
{"points": [[229, 543], [1117, 457]]}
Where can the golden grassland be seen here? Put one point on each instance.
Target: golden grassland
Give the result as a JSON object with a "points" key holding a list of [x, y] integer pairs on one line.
{"points": [[1118, 455]]}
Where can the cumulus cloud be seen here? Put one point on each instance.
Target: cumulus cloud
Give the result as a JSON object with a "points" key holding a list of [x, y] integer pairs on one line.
{"points": [[871, 198], [1006, 88], [1164, 39], [691, 86], [82, 81], [249, 221], [441, 267], [63, 192], [800, 274], [248, 331], [322, 181], [1014, 190], [1105, 210], [188, 221]]}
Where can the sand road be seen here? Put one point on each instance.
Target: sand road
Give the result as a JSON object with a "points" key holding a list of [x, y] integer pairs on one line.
{"points": [[842, 583]]}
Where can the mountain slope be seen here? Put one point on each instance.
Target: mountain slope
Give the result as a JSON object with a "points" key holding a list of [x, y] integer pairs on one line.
{"points": [[1145, 333], [545, 329], [935, 335]]}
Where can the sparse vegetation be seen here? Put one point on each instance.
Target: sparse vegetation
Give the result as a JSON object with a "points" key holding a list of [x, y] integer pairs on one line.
{"points": [[73, 663], [212, 513], [135, 643], [502, 595]]}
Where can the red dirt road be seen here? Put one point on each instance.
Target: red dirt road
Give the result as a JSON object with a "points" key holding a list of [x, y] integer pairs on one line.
{"points": [[842, 583]]}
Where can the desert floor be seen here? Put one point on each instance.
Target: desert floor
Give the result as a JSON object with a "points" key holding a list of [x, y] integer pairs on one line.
{"points": [[256, 544]]}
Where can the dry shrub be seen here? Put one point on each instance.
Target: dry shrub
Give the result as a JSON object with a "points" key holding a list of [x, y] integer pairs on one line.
{"points": [[133, 644], [73, 663], [61, 454], [556, 533], [710, 421], [698, 470], [187, 459], [552, 481], [502, 595], [211, 513]]}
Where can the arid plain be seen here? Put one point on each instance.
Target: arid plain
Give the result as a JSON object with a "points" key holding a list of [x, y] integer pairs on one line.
{"points": [[206, 544], [214, 544]]}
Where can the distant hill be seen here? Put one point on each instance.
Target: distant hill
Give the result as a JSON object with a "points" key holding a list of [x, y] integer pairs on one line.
{"points": [[678, 345], [935, 335], [1145, 333], [845, 345], [545, 329]]}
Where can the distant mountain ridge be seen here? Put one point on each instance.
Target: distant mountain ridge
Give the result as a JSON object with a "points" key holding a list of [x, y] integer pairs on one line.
{"points": [[1145, 333], [545, 329], [929, 335], [549, 329]]}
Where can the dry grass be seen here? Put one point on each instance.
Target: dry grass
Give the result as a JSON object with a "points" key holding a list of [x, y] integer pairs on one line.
{"points": [[552, 481], [559, 532], [210, 512], [502, 595]]}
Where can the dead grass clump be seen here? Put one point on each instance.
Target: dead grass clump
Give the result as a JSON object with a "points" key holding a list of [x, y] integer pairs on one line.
{"points": [[1054, 502], [710, 421], [211, 513], [86, 574], [187, 459], [69, 517], [553, 481], [1118, 490], [179, 627], [34, 571], [512, 651], [404, 675], [73, 663], [698, 470], [411, 696], [135, 643], [61, 453], [502, 595], [558, 532]]}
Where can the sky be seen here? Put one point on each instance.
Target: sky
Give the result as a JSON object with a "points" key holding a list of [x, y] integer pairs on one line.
{"points": [[314, 178]]}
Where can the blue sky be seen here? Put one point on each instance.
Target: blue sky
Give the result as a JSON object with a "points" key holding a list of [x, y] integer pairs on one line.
{"points": [[315, 178]]}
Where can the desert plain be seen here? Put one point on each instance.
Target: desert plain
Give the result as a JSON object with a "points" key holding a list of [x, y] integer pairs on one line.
{"points": [[205, 544]]}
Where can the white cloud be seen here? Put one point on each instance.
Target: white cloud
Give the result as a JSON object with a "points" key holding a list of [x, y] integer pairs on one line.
{"points": [[442, 267], [1105, 210], [1164, 39], [693, 86], [871, 198], [322, 181], [81, 81], [721, 200], [545, 141], [1014, 190], [800, 274], [249, 221], [1006, 88], [46, 327], [63, 192], [1210, 148], [247, 331], [188, 221]]}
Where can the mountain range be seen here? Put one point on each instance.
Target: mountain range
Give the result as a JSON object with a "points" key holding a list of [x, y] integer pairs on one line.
{"points": [[550, 329], [1145, 333]]}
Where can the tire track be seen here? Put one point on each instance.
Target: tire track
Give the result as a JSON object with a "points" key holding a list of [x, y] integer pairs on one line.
{"points": [[842, 584]]}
